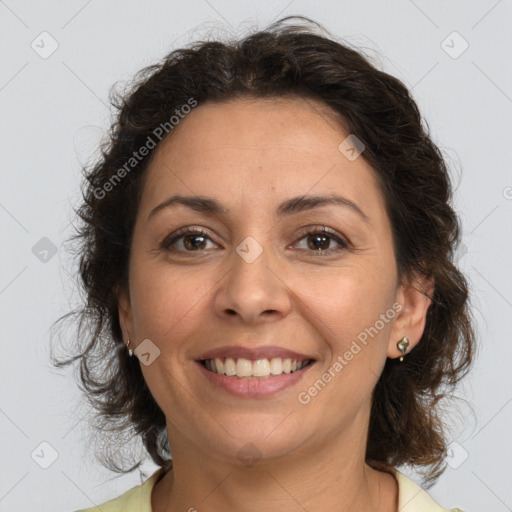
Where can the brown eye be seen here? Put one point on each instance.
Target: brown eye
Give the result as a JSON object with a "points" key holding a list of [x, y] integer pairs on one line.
{"points": [[187, 240], [194, 241], [320, 241]]}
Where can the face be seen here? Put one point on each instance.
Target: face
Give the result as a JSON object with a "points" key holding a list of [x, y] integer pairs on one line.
{"points": [[262, 270]]}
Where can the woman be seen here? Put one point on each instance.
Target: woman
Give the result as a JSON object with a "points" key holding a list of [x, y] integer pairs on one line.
{"points": [[267, 251]]}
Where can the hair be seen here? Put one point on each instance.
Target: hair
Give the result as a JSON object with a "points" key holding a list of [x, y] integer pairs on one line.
{"points": [[284, 60]]}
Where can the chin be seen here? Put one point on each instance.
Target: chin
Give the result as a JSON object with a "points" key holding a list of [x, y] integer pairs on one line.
{"points": [[254, 438]]}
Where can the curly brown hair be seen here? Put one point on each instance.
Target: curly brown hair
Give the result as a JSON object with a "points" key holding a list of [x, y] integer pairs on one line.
{"points": [[282, 60]]}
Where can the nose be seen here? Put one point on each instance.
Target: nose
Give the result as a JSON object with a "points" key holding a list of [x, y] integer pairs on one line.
{"points": [[253, 291]]}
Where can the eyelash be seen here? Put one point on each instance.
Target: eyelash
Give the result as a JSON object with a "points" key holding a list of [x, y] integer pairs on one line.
{"points": [[320, 230]]}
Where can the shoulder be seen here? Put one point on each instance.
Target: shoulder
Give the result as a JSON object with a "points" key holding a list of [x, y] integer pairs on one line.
{"points": [[136, 499], [412, 498]]}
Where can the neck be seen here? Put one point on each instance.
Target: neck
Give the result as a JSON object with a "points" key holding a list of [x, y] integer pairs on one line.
{"points": [[327, 475]]}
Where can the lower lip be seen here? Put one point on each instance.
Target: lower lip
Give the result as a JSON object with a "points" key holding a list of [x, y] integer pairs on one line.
{"points": [[254, 388]]}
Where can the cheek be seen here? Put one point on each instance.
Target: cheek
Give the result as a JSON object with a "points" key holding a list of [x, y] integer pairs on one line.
{"points": [[165, 302], [168, 307], [344, 303], [359, 309], [355, 338]]}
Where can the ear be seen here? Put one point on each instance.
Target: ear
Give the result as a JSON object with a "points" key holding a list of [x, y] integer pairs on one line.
{"points": [[415, 299], [125, 313]]}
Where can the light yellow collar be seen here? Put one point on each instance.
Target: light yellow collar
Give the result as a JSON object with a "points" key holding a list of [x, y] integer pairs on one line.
{"points": [[412, 498]]}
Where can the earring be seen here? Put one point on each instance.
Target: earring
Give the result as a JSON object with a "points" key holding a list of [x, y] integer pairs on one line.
{"points": [[130, 351], [402, 346]]}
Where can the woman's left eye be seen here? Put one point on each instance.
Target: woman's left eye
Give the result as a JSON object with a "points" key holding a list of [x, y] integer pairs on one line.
{"points": [[319, 239], [195, 240]]}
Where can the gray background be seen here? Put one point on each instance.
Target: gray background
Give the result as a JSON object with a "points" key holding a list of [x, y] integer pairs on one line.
{"points": [[53, 112]]}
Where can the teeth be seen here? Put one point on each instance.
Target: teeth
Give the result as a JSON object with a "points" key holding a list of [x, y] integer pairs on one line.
{"points": [[261, 368], [244, 368], [276, 366], [230, 367], [219, 366]]}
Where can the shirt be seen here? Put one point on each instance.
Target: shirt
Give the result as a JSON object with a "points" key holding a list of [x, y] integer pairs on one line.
{"points": [[411, 498]]}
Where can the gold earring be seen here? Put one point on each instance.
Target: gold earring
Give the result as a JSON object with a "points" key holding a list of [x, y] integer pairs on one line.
{"points": [[130, 351], [402, 346]]}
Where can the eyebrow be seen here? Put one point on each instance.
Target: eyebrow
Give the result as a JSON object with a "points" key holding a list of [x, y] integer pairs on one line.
{"points": [[211, 207]]}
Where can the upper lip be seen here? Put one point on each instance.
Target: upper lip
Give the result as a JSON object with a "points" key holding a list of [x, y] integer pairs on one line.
{"points": [[253, 354]]}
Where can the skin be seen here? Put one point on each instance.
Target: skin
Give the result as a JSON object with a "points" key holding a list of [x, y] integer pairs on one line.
{"points": [[251, 155]]}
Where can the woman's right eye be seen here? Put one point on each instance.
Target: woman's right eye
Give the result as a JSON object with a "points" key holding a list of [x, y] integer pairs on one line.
{"points": [[192, 240]]}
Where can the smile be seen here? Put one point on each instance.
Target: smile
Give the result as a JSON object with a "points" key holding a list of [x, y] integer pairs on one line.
{"points": [[245, 381], [265, 368]]}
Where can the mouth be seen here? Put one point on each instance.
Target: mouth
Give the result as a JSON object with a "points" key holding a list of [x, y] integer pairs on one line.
{"points": [[259, 369]]}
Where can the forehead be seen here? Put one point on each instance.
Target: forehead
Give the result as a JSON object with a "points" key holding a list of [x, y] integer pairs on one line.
{"points": [[288, 123], [244, 149]]}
